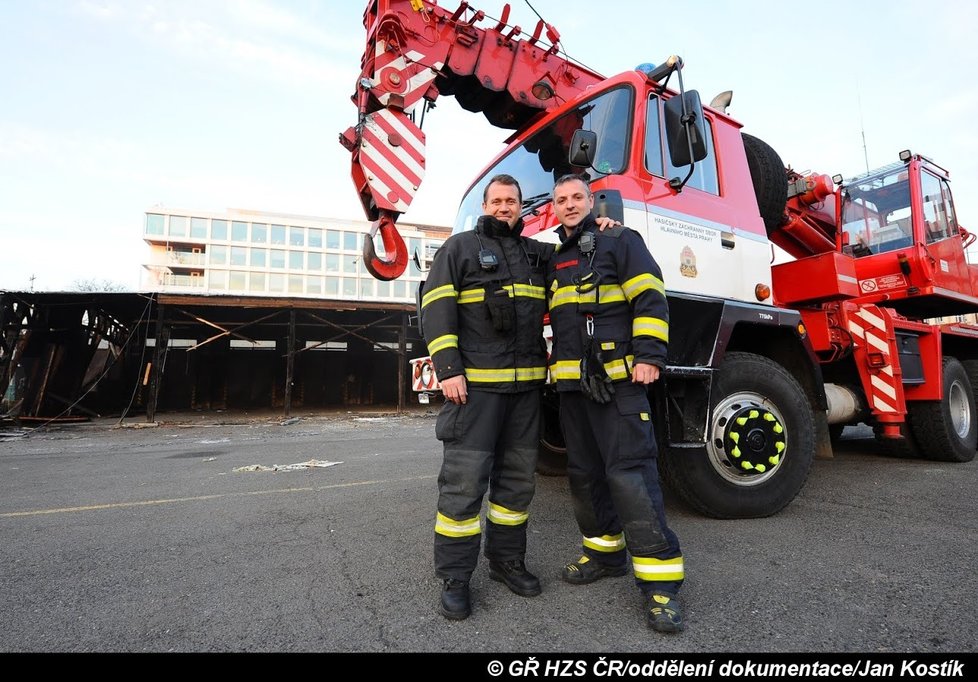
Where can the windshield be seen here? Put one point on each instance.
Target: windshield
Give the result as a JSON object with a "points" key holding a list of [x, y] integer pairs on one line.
{"points": [[876, 212], [542, 159]]}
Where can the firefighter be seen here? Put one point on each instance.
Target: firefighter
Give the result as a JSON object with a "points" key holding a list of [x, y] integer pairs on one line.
{"points": [[609, 317], [482, 311]]}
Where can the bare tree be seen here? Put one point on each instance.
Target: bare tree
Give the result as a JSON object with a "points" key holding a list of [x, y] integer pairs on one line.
{"points": [[95, 284]]}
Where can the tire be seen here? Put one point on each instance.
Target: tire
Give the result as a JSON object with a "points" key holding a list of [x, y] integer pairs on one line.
{"points": [[552, 454], [770, 181], [947, 429], [714, 479]]}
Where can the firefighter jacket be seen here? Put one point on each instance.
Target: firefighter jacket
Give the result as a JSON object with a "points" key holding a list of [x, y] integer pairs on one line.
{"points": [[482, 308], [611, 300]]}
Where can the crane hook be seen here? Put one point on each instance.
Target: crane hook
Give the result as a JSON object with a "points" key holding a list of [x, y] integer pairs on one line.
{"points": [[395, 250]]}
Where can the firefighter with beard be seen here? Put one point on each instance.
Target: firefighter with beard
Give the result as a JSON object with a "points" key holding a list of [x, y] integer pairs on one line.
{"points": [[610, 321]]}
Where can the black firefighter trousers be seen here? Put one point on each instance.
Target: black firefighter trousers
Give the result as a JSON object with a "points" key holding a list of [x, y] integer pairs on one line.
{"points": [[490, 443], [614, 481]]}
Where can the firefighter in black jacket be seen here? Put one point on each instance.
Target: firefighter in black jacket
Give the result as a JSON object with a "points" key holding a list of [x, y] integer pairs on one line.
{"points": [[482, 311], [610, 321]]}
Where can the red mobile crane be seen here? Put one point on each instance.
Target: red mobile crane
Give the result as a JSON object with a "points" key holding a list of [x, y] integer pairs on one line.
{"points": [[764, 362]]}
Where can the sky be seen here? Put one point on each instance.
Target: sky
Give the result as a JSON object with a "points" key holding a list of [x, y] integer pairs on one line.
{"points": [[111, 107]]}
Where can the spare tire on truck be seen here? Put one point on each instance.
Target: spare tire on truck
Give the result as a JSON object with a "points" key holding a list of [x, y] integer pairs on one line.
{"points": [[770, 181]]}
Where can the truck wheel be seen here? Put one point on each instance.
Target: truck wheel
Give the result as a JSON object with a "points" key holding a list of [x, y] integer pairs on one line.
{"points": [[760, 443], [552, 454], [770, 181], [947, 429]]}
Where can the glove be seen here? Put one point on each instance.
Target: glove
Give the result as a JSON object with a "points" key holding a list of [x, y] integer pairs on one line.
{"points": [[596, 385], [500, 309]]}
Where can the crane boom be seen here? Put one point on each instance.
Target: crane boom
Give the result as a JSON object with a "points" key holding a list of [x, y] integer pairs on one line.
{"points": [[417, 50]]}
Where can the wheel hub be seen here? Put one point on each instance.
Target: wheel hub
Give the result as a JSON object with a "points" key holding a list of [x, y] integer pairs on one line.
{"points": [[754, 440], [748, 439]]}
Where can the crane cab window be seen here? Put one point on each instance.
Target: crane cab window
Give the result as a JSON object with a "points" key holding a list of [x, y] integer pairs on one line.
{"points": [[657, 158], [938, 212]]}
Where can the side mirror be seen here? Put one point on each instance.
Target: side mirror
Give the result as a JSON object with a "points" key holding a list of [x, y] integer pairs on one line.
{"points": [[582, 147], [417, 262], [685, 129]]}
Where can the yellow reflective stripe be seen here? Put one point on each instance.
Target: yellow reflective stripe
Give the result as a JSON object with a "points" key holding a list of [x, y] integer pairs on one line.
{"points": [[611, 293], [650, 326], [531, 373], [562, 296], [565, 369], [443, 342], [456, 529], [490, 375], [606, 543], [506, 517], [658, 569], [616, 369], [529, 291], [472, 296], [501, 375], [643, 282], [445, 291]]}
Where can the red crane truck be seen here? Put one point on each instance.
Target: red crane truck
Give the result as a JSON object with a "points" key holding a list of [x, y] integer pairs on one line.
{"points": [[765, 361]]}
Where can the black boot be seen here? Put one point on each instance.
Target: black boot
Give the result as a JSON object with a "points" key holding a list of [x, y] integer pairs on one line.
{"points": [[455, 603], [515, 576]]}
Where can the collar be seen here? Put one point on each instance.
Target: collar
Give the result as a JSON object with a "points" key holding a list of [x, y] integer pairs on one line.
{"points": [[498, 229], [568, 240]]}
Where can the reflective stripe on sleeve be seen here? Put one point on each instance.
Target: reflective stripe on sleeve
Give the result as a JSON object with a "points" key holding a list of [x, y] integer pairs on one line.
{"points": [[650, 326], [643, 282], [456, 529], [443, 342], [506, 517], [445, 291], [658, 570]]}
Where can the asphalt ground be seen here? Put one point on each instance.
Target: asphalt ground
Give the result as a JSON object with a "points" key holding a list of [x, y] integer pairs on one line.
{"points": [[147, 540]]}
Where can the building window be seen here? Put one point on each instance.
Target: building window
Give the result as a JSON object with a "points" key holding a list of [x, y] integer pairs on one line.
{"points": [[349, 286], [277, 258], [219, 230], [276, 283], [259, 257], [314, 262], [295, 284], [217, 280], [350, 264], [332, 262], [297, 236], [314, 285], [332, 287], [239, 231], [383, 289], [154, 224], [259, 233], [236, 280], [350, 241], [400, 289], [217, 255], [332, 239], [239, 255], [178, 226], [295, 260], [366, 287], [198, 228], [315, 238], [278, 234], [256, 281]]}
